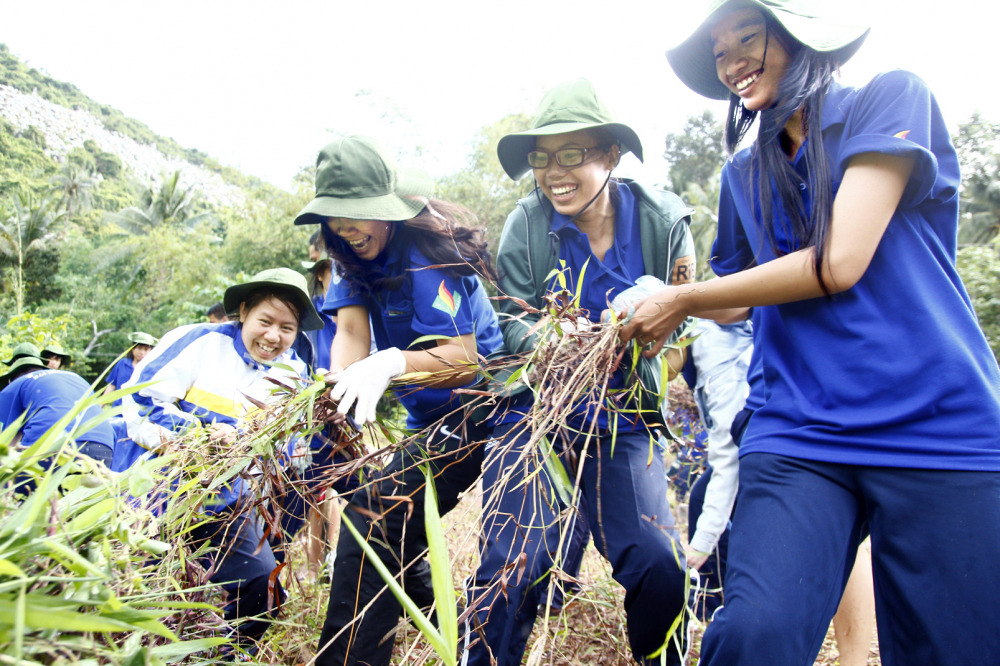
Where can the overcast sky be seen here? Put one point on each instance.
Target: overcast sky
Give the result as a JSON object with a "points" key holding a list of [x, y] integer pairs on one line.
{"points": [[260, 86]]}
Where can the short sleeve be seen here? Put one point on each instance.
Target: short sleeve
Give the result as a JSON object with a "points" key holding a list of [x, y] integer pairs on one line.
{"points": [[896, 114], [442, 301], [339, 295], [9, 405], [731, 251]]}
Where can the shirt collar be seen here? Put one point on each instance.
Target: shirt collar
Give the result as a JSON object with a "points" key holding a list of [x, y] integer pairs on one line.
{"points": [[623, 217], [835, 107], [242, 351]]}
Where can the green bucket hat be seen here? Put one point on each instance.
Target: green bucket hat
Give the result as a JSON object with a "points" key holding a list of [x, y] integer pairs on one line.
{"points": [[568, 107], [56, 350], [694, 62], [20, 363], [356, 178], [292, 284], [23, 350], [140, 338]]}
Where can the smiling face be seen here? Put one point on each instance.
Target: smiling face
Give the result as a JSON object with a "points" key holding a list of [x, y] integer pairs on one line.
{"points": [[738, 43], [570, 188], [366, 238], [269, 328]]}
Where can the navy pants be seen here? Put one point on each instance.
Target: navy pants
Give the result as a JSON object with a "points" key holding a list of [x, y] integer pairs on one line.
{"points": [[243, 565], [935, 538], [630, 520], [395, 530]]}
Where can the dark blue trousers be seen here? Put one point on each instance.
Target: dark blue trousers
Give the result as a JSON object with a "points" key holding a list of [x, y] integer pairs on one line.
{"points": [[935, 539], [630, 520], [243, 565]]}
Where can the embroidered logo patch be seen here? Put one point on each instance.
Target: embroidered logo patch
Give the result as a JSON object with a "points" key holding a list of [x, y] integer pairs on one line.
{"points": [[446, 301], [901, 135]]}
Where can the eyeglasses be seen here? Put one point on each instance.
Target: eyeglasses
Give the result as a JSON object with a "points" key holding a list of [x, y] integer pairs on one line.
{"points": [[567, 157]]}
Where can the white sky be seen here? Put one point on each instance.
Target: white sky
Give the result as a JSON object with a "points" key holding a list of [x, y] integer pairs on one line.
{"points": [[260, 85]]}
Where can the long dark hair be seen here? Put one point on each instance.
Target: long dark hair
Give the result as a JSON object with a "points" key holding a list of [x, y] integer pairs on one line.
{"points": [[803, 86], [444, 232]]}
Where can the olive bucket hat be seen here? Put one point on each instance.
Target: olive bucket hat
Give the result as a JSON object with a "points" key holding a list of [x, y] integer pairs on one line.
{"points": [[356, 178], [55, 349], [289, 282], [568, 107], [694, 62], [23, 350], [140, 338], [18, 364]]}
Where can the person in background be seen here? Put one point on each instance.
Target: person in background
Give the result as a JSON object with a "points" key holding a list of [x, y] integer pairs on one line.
{"points": [[23, 350], [214, 376], [882, 395], [408, 268], [217, 314], [121, 372], [44, 396], [317, 248], [56, 357], [608, 235]]}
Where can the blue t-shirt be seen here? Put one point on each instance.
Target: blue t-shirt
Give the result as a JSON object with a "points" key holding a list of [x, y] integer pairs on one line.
{"points": [[602, 281], [119, 375], [47, 396], [895, 371], [431, 301], [755, 373], [323, 338]]}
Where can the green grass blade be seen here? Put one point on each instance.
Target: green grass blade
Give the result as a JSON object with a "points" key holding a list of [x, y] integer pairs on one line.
{"points": [[444, 588]]}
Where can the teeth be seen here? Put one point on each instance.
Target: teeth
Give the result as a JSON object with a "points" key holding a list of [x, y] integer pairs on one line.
{"points": [[358, 243], [740, 85], [563, 189], [266, 350]]}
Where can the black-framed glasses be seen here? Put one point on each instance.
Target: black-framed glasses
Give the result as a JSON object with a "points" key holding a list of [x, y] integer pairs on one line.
{"points": [[567, 157]]}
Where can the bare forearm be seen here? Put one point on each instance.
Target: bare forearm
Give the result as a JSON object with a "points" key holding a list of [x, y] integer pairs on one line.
{"points": [[450, 364]]}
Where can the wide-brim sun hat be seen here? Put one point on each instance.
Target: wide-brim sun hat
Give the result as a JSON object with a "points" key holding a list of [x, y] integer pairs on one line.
{"points": [[56, 350], [20, 363], [358, 179], [694, 62], [290, 283], [569, 107], [140, 338], [23, 350]]}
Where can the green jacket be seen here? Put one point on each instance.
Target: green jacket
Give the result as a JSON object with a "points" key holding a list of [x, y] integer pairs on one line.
{"points": [[529, 251]]}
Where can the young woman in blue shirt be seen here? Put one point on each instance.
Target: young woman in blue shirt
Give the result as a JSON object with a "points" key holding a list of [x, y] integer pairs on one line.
{"points": [[407, 268], [882, 409], [606, 235]]}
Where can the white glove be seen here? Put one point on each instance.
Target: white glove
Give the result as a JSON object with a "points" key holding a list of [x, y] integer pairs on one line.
{"points": [[365, 381]]}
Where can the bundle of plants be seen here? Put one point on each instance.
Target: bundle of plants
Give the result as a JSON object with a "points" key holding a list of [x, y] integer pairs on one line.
{"points": [[98, 566]]}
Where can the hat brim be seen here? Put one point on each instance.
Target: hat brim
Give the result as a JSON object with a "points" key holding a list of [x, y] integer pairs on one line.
{"points": [[694, 63], [413, 189], [513, 149], [20, 363], [66, 358], [235, 295]]}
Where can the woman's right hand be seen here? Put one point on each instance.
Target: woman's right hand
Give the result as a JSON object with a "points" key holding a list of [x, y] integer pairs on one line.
{"points": [[656, 317], [365, 381]]}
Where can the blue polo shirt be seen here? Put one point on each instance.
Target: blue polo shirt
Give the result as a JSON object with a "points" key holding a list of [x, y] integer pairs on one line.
{"points": [[47, 396], [431, 301], [323, 338], [602, 281], [119, 375], [894, 372]]}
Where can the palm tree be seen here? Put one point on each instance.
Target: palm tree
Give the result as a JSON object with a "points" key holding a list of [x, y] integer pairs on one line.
{"points": [[75, 189], [168, 204], [28, 226]]}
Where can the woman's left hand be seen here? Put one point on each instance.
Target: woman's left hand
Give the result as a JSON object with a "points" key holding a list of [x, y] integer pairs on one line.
{"points": [[222, 433], [656, 317]]}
